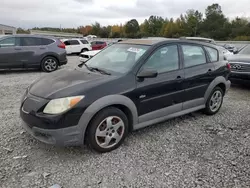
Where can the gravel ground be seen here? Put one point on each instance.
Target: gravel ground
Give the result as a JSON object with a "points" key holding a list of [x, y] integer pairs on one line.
{"points": [[191, 151]]}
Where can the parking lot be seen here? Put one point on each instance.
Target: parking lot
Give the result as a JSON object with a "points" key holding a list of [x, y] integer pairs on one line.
{"points": [[191, 151]]}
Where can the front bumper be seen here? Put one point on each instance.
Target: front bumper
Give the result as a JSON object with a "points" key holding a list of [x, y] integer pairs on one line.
{"points": [[70, 136], [239, 77], [61, 130], [83, 59]]}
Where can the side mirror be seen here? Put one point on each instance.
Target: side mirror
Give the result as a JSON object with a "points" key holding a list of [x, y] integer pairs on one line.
{"points": [[147, 73]]}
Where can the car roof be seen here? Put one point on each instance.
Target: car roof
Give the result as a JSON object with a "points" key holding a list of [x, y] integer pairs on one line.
{"points": [[154, 41], [29, 35]]}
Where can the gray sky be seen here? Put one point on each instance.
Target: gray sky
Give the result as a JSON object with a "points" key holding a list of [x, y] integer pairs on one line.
{"points": [[73, 13]]}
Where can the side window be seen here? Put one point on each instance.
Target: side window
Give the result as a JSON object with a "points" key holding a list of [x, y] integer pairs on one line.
{"points": [[30, 41], [9, 42], [212, 53], [74, 42], [47, 41], [67, 43], [84, 41], [164, 59], [193, 55]]}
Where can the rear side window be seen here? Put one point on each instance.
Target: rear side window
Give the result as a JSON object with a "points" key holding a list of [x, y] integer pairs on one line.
{"points": [[30, 41], [212, 53], [47, 41], [84, 41], [71, 42], [99, 42], [193, 55]]}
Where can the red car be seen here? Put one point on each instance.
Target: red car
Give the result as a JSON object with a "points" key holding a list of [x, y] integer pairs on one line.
{"points": [[98, 45]]}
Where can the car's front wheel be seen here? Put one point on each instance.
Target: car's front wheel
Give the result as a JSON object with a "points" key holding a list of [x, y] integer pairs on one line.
{"points": [[49, 64], [214, 101], [107, 130]]}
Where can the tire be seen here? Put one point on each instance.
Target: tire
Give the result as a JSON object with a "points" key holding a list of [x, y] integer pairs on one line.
{"points": [[110, 136], [49, 64], [211, 107]]}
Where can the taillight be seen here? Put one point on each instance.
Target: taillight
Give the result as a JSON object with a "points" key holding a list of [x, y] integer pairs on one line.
{"points": [[61, 45], [229, 66]]}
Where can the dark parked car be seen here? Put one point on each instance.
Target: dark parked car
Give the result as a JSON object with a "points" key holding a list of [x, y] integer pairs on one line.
{"points": [[126, 86], [231, 48], [30, 51], [240, 64], [98, 45]]}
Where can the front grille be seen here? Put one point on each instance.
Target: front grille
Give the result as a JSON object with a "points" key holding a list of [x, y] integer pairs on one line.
{"points": [[240, 67], [32, 103]]}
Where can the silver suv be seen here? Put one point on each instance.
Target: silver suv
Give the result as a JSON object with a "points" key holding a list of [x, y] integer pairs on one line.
{"points": [[31, 51]]}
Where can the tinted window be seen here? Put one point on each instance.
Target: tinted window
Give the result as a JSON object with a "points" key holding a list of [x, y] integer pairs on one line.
{"points": [[193, 55], [30, 41], [47, 41], [212, 53], [84, 41], [164, 59], [74, 42], [8, 42], [71, 42]]}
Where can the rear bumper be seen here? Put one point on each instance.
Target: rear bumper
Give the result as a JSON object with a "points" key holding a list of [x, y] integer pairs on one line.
{"points": [[228, 85], [63, 62], [240, 75]]}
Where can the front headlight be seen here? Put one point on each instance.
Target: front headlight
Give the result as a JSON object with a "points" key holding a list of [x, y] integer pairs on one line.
{"points": [[57, 106]]}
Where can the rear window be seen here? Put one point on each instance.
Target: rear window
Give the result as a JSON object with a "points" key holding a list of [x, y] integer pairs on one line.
{"points": [[30, 41], [71, 42], [47, 41], [84, 41], [99, 42], [212, 53]]}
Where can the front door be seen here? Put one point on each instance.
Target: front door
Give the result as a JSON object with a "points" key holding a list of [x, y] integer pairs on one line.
{"points": [[199, 73], [162, 95], [10, 53]]}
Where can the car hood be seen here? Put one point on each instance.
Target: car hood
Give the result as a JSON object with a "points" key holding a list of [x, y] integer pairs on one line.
{"points": [[239, 58], [65, 83], [92, 52]]}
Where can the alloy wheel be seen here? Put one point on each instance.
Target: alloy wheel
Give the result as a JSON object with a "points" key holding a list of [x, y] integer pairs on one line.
{"points": [[109, 132]]}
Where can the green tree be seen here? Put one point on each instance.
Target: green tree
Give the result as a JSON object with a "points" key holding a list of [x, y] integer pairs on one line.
{"points": [[132, 28]]}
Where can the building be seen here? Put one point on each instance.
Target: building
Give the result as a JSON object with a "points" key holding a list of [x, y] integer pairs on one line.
{"points": [[56, 34], [7, 30]]}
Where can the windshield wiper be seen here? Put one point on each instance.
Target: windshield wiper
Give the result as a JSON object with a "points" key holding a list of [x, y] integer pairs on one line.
{"points": [[96, 69], [99, 70]]}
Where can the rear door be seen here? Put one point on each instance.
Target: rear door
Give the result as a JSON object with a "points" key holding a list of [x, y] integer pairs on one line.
{"points": [[199, 73], [75, 46], [10, 53], [32, 50]]}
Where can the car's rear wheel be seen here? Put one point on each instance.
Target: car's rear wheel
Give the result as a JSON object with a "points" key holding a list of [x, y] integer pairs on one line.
{"points": [[107, 130], [49, 64], [214, 101]]}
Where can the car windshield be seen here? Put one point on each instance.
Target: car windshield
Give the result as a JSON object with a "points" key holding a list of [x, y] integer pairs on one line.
{"points": [[117, 58], [245, 50]]}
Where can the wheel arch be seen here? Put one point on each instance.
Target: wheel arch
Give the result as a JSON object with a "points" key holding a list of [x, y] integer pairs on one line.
{"points": [[219, 81], [121, 102]]}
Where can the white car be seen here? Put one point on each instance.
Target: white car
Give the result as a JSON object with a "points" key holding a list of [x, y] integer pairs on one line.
{"points": [[83, 57], [76, 46]]}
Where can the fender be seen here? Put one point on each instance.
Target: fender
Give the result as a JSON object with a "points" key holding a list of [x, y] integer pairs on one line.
{"points": [[215, 82], [102, 103]]}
